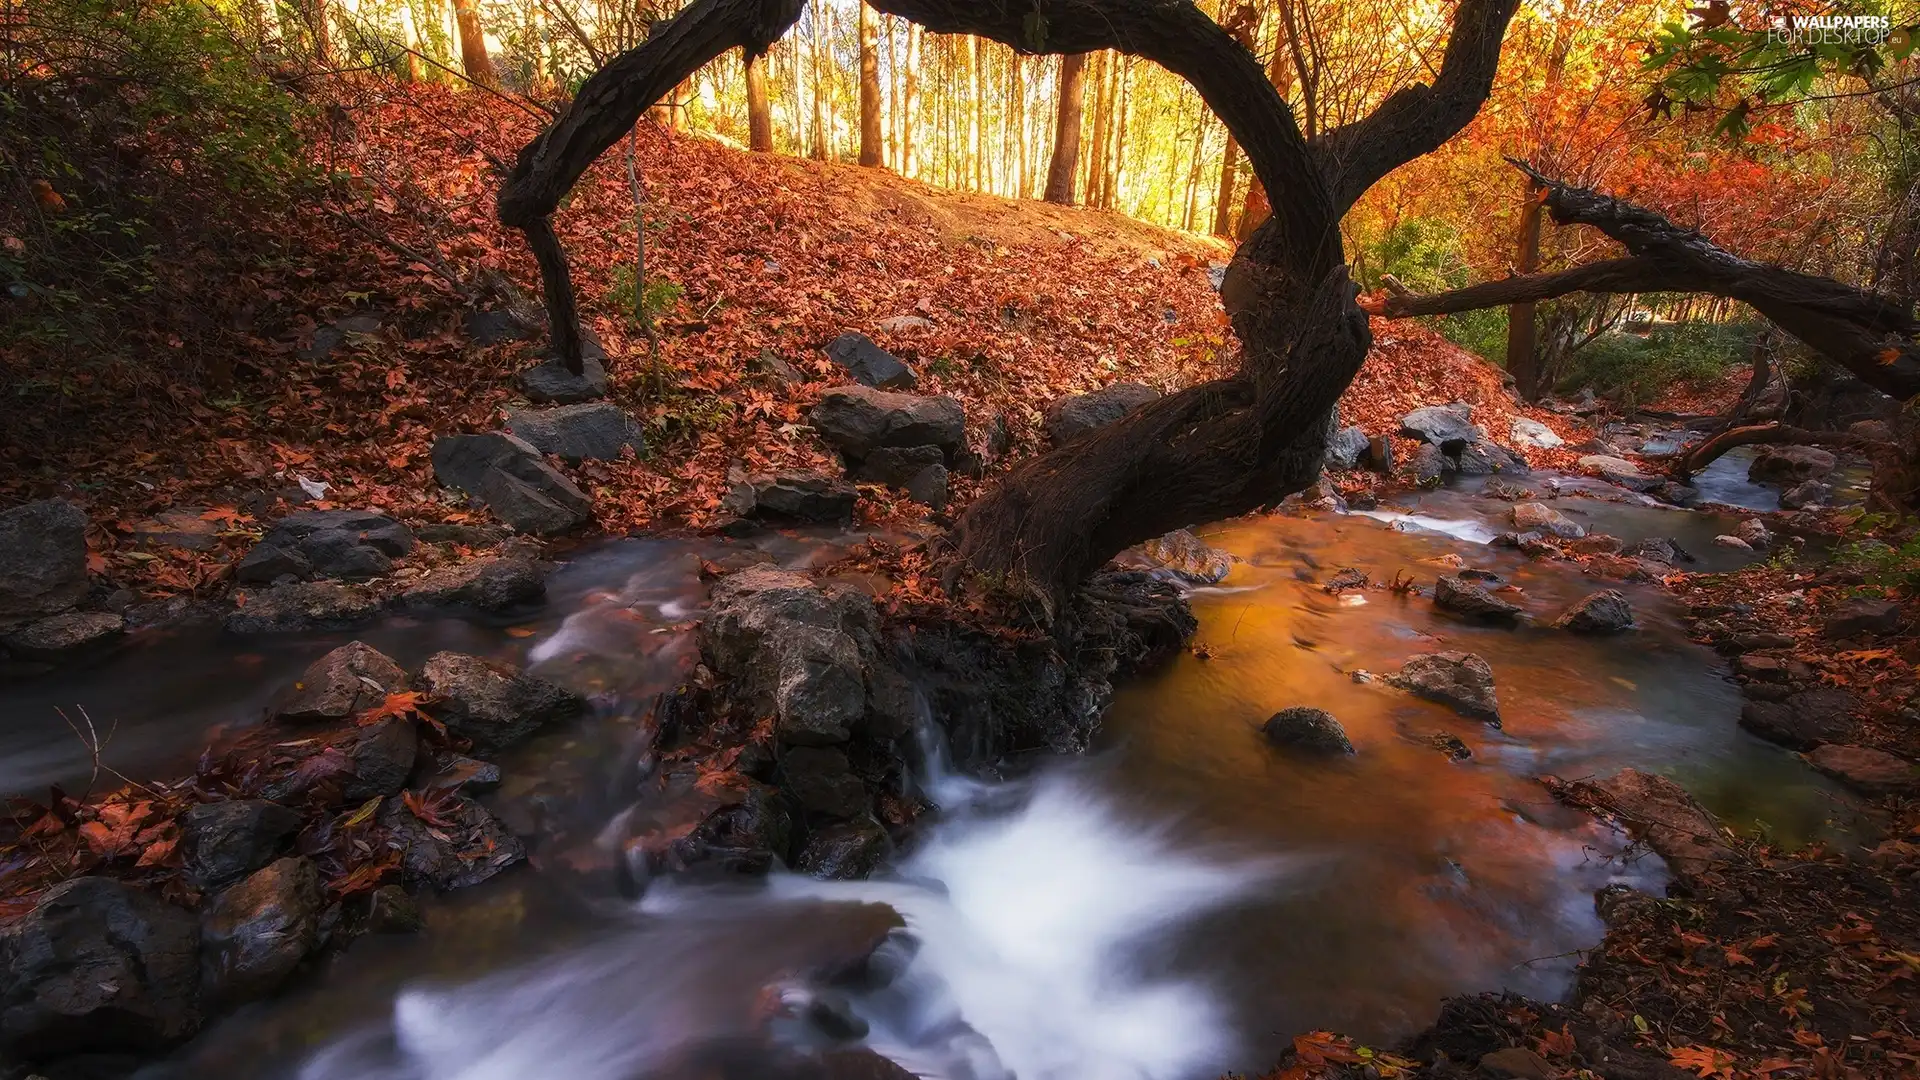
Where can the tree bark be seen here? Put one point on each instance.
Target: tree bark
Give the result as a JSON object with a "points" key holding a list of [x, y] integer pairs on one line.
{"points": [[319, 34], [473, 43], [1066, 131], [1523, 355], [1223, 196], [1017, 121], [817, 18], [410, 26], [1096, 180], [976, 108], [870, 142], [910, 101], [759, 110]]}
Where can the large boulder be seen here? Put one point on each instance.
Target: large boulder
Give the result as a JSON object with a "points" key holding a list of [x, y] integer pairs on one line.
{"points": [[1863, 617], [511, 479], [590, 431], [1471, 600], [493, 703], [1431, 465], [1866, 770], [485, 584], [1480, 457], [301, 606], [349, 764], [1656, 810], [350, 544], [222, 842], [1804, 720], [1460, 680], [857, 420], [254, 934], [1442, 424], [795, 649], [43, 558], [1347, 448], [869, 364], [63, 635], [1069, 418], [1533, 433], [344, 683], [820, 779], [1805, 495], [1619, 471], [1307, 729], [98, 967], [1789, 465], [464, 845], [1604, 612], [798, 496], [1541, 518]]}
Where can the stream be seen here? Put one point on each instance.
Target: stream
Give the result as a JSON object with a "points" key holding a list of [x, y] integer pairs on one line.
{"points": [[1176, 904]]}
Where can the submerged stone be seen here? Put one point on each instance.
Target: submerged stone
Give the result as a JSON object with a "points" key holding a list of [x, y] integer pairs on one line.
{"points": [[1307, 729]]}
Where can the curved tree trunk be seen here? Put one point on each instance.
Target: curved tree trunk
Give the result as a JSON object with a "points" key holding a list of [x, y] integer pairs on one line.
{"points": [[1066, 131]]}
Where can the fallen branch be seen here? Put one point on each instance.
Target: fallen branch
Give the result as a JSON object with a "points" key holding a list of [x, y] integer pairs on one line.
{"points": [[1692, 461]]}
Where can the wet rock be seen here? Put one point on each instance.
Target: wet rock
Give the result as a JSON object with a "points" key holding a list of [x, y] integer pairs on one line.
{"points": [[1731, 541], [550, 383], [493, 703], [1761, 667], [857, 420], [469, 775], [1380, 455], [1656, 549], [349, 764], [869, 364], [1754, 532], [59, 636], [821, 781], [897, 466], [43, 558], [1620, 471], [1676, 493], [493, 327], [1450, 744], [1599, 544], [344, 683], [222, 842], [1788, 465], [1430, 466], [98, 967], [795, 496], [1539, 517], [1188, 558], [1441, 424], [1307, 729], [1866, 770], [484, 584], [1070, 418], [302, 606], [930, 487], [510, 478], [392, 911], [747, 836], [1605, 612], [845, 850], [464, 846], [254, 934], [1655, 810], [793, 648], [1347, 448], [352, 545], [1804, 720], [1806, 494], [1862, 617], [1534, 434], [1482, 458], [1321, 495], [590, 431], [1466, 599], [1517, 1063], [1460, 680]]}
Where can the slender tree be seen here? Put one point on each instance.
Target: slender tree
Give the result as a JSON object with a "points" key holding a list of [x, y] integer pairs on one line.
{"points": [[1017, 122], [910, 101], [817, 17], [1066, 131], [870, 146], [473, 43], [976, 108], [759, 111], [313, 13], [416, 67]]}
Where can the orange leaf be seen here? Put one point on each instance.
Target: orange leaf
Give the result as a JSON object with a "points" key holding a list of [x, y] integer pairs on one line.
{"points": [[158, 853], [1705, 1061]]}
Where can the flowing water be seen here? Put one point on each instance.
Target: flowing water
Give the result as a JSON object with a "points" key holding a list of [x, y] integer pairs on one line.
{"points": [[1174, 905]]}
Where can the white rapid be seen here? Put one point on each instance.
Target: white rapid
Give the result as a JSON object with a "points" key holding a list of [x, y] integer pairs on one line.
{"points": [[1025, 911]]}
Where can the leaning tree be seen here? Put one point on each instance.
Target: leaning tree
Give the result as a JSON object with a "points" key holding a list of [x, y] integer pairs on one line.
{"points": [[1211, 451]]}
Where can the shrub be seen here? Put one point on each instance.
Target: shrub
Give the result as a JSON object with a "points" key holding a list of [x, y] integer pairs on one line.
{"points": [[1424, 254], [1640, 367]]}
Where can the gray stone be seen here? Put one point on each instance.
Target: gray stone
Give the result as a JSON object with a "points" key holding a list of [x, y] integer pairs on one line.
{"points": [[794, 650], [493, 703], [470, 775], [1466, 599], [1307, 729], [804, 497], [1861, 617], [591, 431], [484, 584], [1806, 494], [468, 847], [301, 606], [1441, 424], [550, 383], [1804, 720], [349, 764], [857, 420], [254, 934], [353, 545], [1380, 455], [1533, 433], [222, 842], [1347, 448], [494, 327], [343, 684], [268, 563], [896, 466], [339, 332], [1482, 458], [1539, 517], [844, 850], [1069, 418], [1672, 491], [869, 364], [1788, 465], [58, 636], [821, 781], [1657, 549], [511, 479], [772, 363], [1727, 540], [1866, 770], [1430, 465], [99, 967], [1604, 612], [1754, 532], [1461, 680], [43, 558], [1618, 470], [930, 487]]}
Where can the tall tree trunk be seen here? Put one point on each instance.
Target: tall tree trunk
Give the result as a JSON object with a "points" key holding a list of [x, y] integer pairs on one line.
{"points": [[319, 34], [1193, 174], [1066, 131], [976, 110], [473, 43], [891, 32], [536, 48], [410, 26], [1096, 185], [870, 147], [1523, 346], [1017, 108], [817, 16], [1223, 196], [1124, 101], [910, 101], [759, 110]]}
